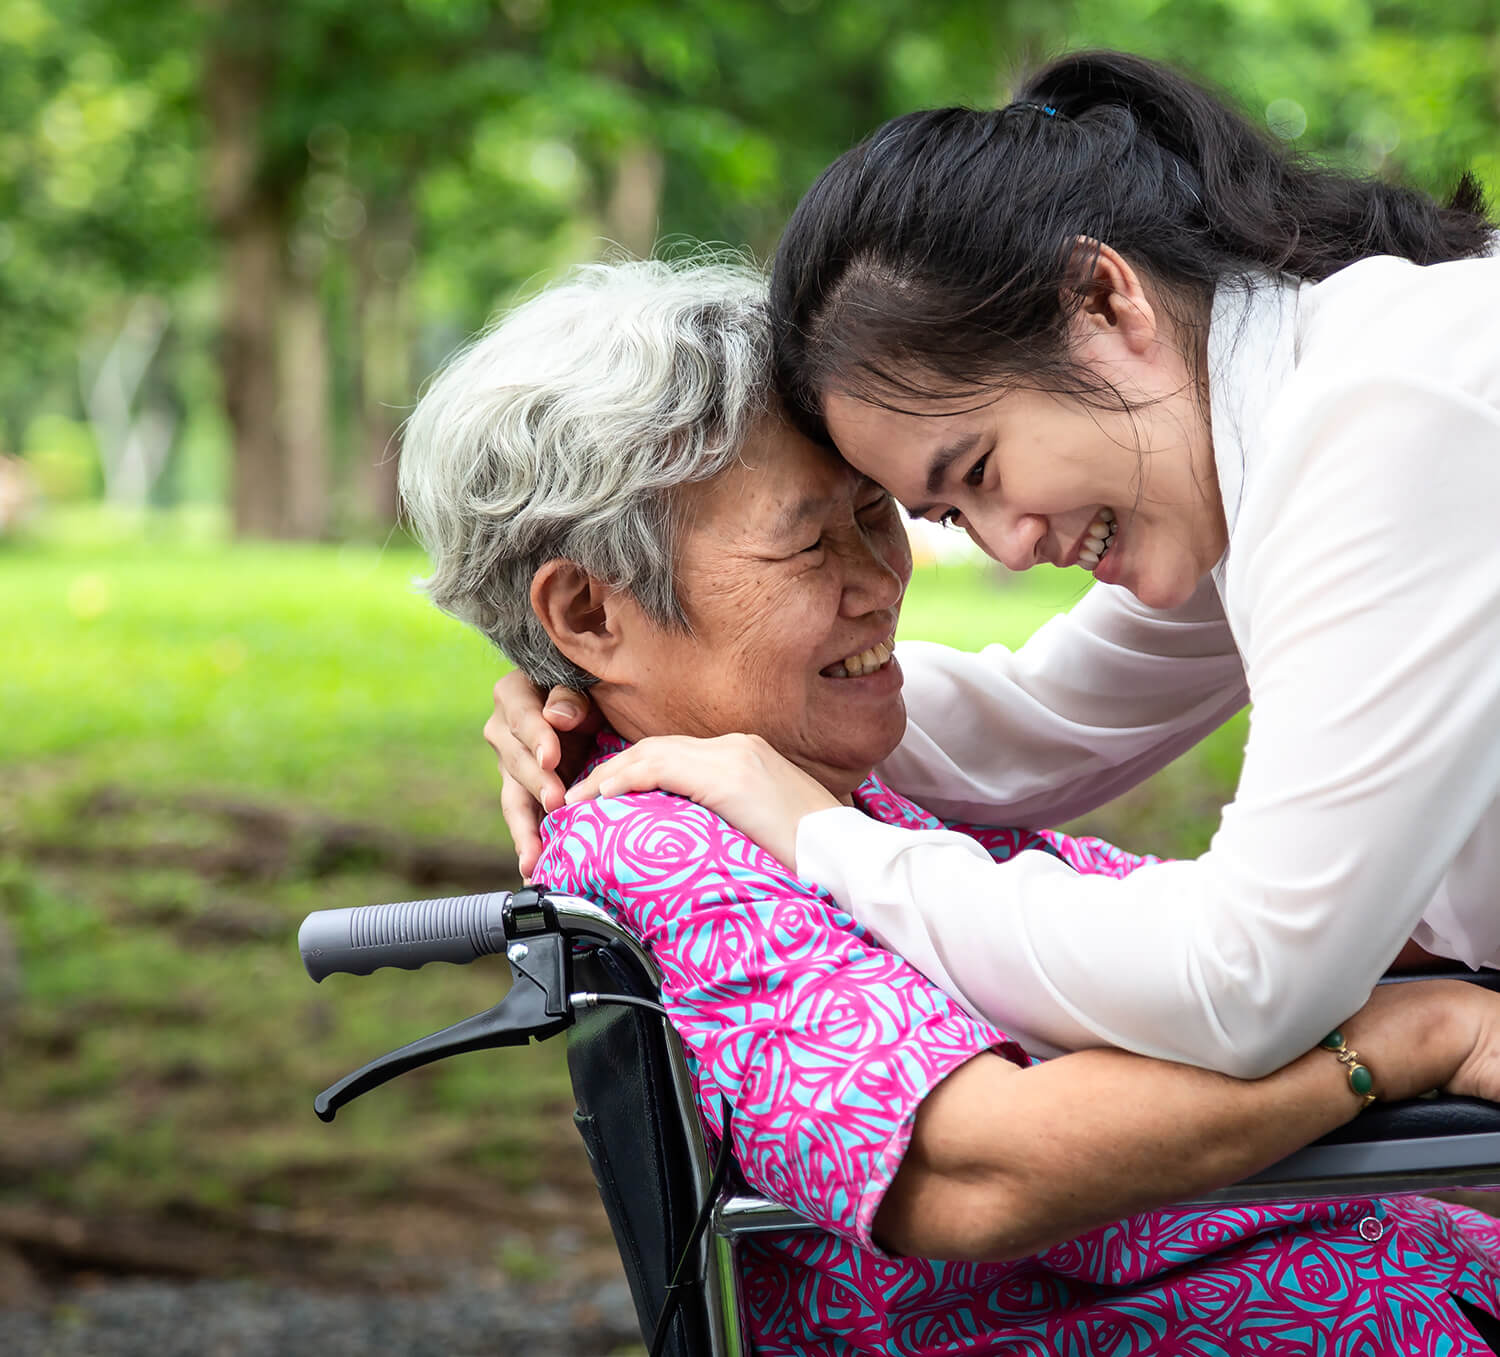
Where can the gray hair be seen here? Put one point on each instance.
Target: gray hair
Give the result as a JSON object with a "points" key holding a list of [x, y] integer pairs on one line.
{"points": [[564, 431]]}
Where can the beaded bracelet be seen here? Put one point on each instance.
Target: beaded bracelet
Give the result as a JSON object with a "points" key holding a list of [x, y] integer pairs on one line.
{"points": [[1361, 1081]]}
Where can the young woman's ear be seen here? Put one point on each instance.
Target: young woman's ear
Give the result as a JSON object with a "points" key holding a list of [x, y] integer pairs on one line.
{"points": [[580, 613], [1107, 298]]}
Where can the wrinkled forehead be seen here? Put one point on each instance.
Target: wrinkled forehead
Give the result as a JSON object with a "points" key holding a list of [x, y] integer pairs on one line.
{"points": [[780, 482]]}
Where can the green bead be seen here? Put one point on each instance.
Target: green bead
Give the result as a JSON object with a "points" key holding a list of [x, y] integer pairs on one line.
{"points": [[1333, 1040], [1361, 1081]]}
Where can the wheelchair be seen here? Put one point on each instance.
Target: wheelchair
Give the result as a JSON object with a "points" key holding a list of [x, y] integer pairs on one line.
{"points": [[678, 1217]]}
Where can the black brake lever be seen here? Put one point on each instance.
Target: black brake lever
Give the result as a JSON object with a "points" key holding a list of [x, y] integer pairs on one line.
{"points": [[537, 1007]]}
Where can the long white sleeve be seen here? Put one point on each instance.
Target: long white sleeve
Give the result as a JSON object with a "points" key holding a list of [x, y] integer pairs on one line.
{"points": [[1097, 700], [1365, 599]]}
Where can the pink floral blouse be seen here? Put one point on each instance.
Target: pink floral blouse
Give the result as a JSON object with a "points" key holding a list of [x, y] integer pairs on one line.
{"points": [[825, 1044]]}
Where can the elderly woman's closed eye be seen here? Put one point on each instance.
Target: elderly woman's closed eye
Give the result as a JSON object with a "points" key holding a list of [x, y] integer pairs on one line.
{"points": [[606, 492]]}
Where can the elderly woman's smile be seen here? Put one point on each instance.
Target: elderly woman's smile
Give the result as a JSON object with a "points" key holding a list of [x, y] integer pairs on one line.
{"points": [[790, 569]]}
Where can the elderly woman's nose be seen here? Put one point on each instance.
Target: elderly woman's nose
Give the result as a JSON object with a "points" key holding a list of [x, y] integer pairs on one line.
{"points": [[874, 579]]}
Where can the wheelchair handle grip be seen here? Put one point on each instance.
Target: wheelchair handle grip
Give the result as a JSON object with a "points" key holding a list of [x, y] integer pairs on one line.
{"points": [[407, 935]]}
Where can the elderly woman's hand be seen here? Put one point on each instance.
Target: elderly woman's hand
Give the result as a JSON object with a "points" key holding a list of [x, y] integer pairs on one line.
{"points": [[538, 744], [738, 777]]}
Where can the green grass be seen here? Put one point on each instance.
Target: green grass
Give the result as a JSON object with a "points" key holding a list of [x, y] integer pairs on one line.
{"points": [[305, 671], [166, 1045]]}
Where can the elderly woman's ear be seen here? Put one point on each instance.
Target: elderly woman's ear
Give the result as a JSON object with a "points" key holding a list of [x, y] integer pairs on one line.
{"points": [[581, 614]]}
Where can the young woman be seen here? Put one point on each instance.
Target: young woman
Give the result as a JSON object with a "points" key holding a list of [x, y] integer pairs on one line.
{"points": [[1114, 325]]}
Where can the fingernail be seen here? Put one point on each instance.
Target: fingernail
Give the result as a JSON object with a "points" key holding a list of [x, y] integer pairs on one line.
{"points": [[564, 709]]}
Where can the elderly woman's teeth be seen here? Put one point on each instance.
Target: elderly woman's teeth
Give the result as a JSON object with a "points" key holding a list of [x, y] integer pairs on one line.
{"points": [[866, 662], [1100, 537]]}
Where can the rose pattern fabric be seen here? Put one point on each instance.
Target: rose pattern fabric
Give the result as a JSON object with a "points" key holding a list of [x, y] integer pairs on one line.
{"points": [[825, 1044]]}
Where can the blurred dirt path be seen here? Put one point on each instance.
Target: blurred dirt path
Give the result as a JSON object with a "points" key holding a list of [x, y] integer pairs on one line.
{"points": [[250, 1319], [404, 1280]]}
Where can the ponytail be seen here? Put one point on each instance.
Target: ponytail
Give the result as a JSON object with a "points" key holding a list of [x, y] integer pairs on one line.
{"points": [[943, 243], [1260, 203]]}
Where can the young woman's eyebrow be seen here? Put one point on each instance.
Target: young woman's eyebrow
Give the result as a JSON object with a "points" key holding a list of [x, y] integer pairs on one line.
{"points": [[945, 457], [942, 459]]}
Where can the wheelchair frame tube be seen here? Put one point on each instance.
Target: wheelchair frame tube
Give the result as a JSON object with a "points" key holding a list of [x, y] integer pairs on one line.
{"points": [[579, 917]]}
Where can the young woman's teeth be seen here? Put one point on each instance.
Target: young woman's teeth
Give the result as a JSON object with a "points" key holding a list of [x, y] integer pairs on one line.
{"points": [[1100, 538], [866, 662]]}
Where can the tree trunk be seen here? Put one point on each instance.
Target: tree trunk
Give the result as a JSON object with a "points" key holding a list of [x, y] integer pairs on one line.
{"points": [[134, 432], [248, 368], [250, 223], [304, 380], [386, 389], [632, 214]]}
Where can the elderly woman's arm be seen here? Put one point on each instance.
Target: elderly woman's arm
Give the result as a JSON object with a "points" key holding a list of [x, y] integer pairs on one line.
{"points": [[1004, 1161]]}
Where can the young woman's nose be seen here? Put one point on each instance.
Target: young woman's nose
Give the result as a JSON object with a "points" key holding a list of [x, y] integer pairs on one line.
{"points": [[1011, 541]]}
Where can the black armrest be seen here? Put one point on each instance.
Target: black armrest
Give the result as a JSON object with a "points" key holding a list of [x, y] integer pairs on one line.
{"points": [[1448, 970], [1418, 1119], [1420, 1146], [1424, 1145]]}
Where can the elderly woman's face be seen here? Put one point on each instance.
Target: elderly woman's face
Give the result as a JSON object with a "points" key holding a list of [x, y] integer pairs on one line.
{"points": [[791, 572]]}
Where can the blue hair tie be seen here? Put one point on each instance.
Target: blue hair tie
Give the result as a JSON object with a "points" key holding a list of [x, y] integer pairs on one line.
{"points": [[1046, 110]]}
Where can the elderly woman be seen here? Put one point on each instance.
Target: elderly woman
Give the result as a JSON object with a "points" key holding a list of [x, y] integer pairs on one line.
{"points": [[607, 493]]}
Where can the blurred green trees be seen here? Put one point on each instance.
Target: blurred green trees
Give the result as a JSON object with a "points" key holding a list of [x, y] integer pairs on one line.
{"points": [[234, 237]]}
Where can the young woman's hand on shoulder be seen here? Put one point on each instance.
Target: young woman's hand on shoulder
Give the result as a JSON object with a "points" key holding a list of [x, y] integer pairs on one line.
{"points": [[741, 778]]}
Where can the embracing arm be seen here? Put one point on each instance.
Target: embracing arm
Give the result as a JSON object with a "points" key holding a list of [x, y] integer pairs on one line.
{"points": [[866, 1100], [1098, 699], [1101, 1135], [1371, 756]]}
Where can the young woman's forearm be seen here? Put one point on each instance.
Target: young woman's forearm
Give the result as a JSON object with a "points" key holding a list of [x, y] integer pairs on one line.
{"points": [[1094, 702], [1004, 1162], [1186, 961]]}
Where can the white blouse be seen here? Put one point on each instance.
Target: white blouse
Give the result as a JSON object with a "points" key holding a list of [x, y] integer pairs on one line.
{"points": [[1357, 440]]}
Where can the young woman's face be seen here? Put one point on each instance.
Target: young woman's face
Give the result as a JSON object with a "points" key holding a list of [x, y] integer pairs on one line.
{"points": [[1131, 497]]}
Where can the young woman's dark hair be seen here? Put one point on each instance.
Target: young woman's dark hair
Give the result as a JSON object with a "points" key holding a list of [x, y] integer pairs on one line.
{"points": [[945, 243]]}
